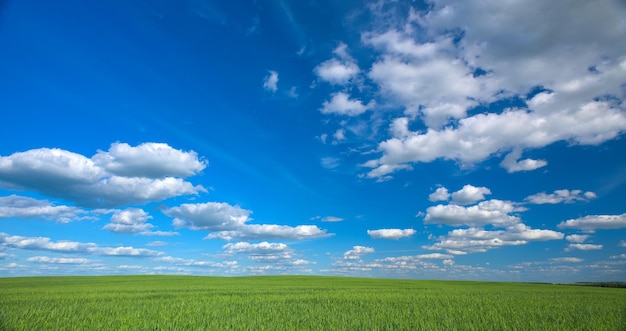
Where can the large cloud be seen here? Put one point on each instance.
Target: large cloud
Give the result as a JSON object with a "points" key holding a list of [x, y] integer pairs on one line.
{"points": [[123, 175], [228, 222], [441, 63], [150, 160]]}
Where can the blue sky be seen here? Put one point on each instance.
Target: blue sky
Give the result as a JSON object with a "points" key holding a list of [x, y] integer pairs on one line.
{"points": [[433, 140]]}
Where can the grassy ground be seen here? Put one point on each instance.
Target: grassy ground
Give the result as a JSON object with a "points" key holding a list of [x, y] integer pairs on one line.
{"points": [[301, 303]]}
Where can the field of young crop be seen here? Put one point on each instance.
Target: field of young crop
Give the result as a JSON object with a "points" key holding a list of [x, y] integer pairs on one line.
{"points": [[302, 303]]}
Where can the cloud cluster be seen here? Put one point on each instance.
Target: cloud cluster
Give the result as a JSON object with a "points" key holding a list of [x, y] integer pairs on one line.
{"points": [[65, 246], [265, 252], [474, 237], [565, 64], [228, 222], [123, 175]]}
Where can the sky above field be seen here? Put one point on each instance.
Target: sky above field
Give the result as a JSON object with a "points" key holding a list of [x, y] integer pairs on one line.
{"points": [[430, 140]]}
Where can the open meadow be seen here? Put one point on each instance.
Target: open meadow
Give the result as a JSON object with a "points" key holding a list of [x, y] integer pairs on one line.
{"points": [[302, 303]]}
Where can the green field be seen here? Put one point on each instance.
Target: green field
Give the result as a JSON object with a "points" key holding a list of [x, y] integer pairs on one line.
{"points": [[302, 303]]}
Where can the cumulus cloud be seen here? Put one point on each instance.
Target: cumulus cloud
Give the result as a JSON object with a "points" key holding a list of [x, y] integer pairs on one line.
{"points": [[567, 259], [65, 246], [440, 194], [339, 70], [469, 194], [265, 252], [59, 260], [228, 222], [491, 213], [270, 83], [577, 238], [494, 212], [478, 137], [134, 220], [341, 104], [149, 160], [356, 252], [560, 196], [393, 234], [584, 247], [593, 222], [444, 61], [26, 207], [473, 240], [124, 175]]}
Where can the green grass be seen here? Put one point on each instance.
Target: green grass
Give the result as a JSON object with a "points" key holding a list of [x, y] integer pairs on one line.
{"points": [[302, 303]]}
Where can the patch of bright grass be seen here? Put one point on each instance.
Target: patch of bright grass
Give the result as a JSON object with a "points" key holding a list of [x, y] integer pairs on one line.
{"points": [[302, 303]]}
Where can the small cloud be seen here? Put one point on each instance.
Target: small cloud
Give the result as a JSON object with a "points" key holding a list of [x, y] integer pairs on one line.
{"points": [[560, 196], [441, 194], [270, 83], [583, 247], [156, 243], [393, 234], [330, 162], [577, 238], [332, 219], [356, 252], [469, 194], [567, 259]]}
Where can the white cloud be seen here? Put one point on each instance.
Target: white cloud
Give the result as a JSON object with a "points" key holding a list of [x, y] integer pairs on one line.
{"points": [[469, 194], [478, 137], [340, 70], [260, 248], [59, 260], [26, 207], [577, 238], [622, 243], [440, 194], [270, 82], [134, 220], [393, 234], [442, 62], [330, 162], [593, 222], [331, 219], [337, 72], [621, 256], [131, 220], [270, 232], [356, 252], [560, 196], [267, 253], [494, 212], [339, 135], [474, 240], [584, 247], [512, 162], [567, 259], [229, 222], [88, 182], [341, 104], [65, 246], [149, 160]]}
